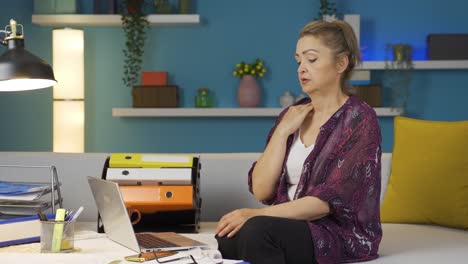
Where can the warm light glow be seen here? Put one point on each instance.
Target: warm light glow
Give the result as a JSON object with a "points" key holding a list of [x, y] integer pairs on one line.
{"points": [[68, 126], [68, 63], [25, 84], [68, 94]]}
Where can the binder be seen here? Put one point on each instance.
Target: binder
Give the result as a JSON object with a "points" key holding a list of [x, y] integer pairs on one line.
{"points": [[179, 213], [134, 160], [20, 230], [150, 199], [150, 176]]}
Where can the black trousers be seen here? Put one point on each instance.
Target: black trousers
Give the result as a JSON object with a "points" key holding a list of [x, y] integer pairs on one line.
{"points": [[272, 240]]}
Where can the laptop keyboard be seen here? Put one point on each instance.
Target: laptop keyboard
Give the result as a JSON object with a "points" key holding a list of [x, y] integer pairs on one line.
{"points": [[150, 241]]}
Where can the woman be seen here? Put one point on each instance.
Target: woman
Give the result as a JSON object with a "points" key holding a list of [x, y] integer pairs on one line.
{"points": [[320, 170]]}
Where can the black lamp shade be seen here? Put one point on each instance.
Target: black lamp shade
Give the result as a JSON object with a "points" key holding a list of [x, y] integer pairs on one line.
{"points": [[21, 70]]}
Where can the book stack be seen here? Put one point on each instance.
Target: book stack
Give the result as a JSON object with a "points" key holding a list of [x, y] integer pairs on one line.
{"points": [[163, 188]]}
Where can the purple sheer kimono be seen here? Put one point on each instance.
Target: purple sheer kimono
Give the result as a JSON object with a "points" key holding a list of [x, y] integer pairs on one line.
{"points": [[343, 169]]}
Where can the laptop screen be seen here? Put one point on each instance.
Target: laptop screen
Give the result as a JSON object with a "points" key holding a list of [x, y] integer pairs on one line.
{"points": [[114, 215]]}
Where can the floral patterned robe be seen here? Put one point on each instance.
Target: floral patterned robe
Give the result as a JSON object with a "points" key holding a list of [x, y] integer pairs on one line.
{"points": [[343, 169]]}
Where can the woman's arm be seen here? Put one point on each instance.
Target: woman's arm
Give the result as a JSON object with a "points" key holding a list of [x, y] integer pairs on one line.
{"points": [[266, 173], [306, 208]]}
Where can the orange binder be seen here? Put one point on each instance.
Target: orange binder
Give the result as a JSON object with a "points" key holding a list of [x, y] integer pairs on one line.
{"points": [[152, 198]]}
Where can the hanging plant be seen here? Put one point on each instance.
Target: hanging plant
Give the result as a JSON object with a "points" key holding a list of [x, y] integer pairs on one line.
{"points": [[135, 25]]}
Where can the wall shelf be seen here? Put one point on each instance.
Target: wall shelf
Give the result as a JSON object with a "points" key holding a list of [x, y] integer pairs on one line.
{"points": [[420, 65], [220, 112], [110, 20]]}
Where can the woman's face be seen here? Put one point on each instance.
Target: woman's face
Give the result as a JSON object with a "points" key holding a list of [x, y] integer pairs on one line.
{"points": [[317, 68]]}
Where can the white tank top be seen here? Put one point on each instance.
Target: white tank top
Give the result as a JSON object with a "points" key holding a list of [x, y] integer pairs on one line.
{"points": [[297, 155]]}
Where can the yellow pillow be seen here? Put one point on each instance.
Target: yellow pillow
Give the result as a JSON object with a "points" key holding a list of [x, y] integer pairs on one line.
{"points": [[429, 177]]}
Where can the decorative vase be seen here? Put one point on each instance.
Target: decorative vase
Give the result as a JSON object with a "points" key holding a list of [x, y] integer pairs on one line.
{"points": [[248, 94], [286, 99], [329, 18], [204, 99], [402, 52], [184, 6], [162, 7]]}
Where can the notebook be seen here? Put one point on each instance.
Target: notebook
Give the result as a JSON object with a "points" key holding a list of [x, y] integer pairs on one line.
{"points": [[119, 229]]}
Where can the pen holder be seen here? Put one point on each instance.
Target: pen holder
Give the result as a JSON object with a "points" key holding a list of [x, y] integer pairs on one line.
{"points": [[57, 236]]}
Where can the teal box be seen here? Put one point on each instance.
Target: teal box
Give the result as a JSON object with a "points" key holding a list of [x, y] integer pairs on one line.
{"points": [[65, 7], [55, 7], [44, 6]]}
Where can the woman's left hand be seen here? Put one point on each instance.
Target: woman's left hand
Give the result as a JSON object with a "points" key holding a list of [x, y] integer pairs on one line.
{"points": [[233, 221]]}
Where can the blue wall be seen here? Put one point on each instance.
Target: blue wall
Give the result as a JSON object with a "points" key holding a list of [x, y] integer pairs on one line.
{"points": [[204, 55]]}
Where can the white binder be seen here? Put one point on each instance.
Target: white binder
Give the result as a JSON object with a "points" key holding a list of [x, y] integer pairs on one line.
{"points": [[150, 176]]}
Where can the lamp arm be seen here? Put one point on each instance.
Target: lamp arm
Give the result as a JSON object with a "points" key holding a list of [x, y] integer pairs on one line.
{"points": [[2, 41]]}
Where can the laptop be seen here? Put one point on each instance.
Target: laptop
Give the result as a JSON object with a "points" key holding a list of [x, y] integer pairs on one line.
{"points": [[119, 228]]}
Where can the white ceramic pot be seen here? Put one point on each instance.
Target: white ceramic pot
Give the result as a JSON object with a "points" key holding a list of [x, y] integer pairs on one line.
{"points": [[286, 99]]}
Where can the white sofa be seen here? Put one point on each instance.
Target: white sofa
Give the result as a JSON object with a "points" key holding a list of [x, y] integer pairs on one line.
{"points": [[224, 188]]}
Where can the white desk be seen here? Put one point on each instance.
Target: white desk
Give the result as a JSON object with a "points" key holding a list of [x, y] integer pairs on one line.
{"points": [[94, 248]]}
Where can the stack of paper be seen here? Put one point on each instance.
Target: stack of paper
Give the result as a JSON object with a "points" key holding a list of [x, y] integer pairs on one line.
{"points": [[22, 191], [200, 256], [22, 198]]}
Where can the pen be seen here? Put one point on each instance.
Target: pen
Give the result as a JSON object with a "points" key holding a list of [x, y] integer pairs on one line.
{"points": [[78, 212], [194, 262], [42, 217], [74, 217]]}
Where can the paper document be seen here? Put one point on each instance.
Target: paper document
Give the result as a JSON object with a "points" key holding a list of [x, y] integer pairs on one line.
{"points": [[22, 197], [201, 256], [14, 188]]}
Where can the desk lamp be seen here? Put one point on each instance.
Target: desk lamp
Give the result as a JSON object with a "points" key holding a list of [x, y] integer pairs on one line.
{"points": [[20, 70]]}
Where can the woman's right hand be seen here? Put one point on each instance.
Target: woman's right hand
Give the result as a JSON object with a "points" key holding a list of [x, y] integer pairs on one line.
{"points": [[293, 119]]}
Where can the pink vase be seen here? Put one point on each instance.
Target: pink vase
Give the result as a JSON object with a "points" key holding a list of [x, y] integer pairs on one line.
{"points": [[248, 94]]}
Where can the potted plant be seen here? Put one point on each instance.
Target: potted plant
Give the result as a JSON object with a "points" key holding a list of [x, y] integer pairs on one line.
{"points": [[135, 25], [398, 72], [327, 10], [248, 93]]}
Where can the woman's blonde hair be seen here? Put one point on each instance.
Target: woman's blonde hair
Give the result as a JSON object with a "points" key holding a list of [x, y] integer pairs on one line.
{"points": [[340, 38]]}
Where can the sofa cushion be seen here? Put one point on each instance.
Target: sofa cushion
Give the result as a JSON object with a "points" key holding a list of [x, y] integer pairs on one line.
{"points": [[429, 175]]}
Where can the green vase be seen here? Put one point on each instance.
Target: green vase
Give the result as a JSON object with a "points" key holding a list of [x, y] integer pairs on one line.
{"points": [[203, 99]]}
